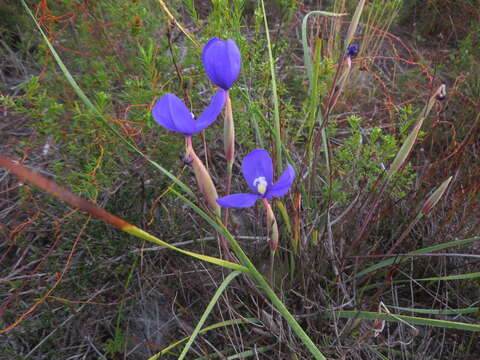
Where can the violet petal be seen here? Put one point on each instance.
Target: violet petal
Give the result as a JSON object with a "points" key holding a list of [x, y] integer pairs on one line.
{"points": [[222, 62], [171, 113], [211, 113], [255, 165], [283, 184], [238, 200]]}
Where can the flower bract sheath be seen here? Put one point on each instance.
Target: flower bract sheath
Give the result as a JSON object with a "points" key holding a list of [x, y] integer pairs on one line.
{"points": [[257, 169], [222, 62], [171, 113]]}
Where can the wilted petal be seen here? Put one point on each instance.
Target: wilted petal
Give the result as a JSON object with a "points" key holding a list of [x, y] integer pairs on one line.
{"points": [[211, 113], [222, 62], [238, 200], [283, 184], [171, 113], [255, 165]]}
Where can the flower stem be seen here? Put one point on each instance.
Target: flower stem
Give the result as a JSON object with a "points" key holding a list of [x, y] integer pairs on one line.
{"points": [[277, 303], [229, 147]]}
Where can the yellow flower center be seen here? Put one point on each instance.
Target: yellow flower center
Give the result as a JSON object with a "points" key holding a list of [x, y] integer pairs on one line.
{"points": [[261, 184]]}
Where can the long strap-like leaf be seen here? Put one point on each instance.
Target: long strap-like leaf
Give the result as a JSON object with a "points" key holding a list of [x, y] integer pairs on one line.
{"points": [[397, 318], [65, 195]]}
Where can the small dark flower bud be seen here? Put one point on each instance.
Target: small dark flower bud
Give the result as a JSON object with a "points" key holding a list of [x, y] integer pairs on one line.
{"points": [[352, 50]]}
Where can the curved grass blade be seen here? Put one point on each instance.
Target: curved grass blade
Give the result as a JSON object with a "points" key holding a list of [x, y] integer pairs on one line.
{"points": [[469, 310], [429, 249], [64, 194], [475, 275], [311, 86], [351, 314], [306, 48], [239, 321], [207, 311]]}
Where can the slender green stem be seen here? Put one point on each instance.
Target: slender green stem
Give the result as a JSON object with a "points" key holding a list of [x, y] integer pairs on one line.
{"points": [[277, 303], [276, 110], [207, 312], [221, 324]]}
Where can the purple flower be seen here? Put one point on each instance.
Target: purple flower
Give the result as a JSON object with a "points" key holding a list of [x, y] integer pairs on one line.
{"points": [[222, 62], [257, 169], [171, 113], [352, 50]]}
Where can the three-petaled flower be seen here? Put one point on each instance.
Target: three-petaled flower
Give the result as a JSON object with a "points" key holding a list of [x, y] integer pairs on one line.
{"points": [[222, 62], [257, 169], [171, 113]]}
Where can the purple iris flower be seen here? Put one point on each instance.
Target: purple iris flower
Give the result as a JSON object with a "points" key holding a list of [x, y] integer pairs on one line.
{"points": [[171, 113], [353, 50], [222, 62], [257, 169]]}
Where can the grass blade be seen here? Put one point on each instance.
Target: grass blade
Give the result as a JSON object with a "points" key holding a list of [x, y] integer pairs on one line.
{"points": [[351, 314], [207, 311], [306, 48], [64, 194], [240, 355], [429, 249], [276, 109], [467, 276], [204, 330], [438, 312], [354, 24]]}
